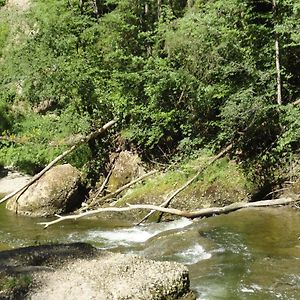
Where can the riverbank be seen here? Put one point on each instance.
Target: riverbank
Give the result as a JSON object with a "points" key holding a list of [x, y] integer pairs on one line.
{"points": [[218, 185]]}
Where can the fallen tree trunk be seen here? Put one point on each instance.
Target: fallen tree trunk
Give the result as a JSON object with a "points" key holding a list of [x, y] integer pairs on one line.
{"points": [[58, 158], [204, 212]]}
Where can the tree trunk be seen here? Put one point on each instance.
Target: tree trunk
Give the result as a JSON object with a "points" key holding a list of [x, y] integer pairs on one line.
{"points": [[158, 9], [97, 4], [277, 59], [190, 3]]}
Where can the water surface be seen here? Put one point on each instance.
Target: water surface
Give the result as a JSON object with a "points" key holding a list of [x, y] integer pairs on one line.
{"points": [[249, 254]]}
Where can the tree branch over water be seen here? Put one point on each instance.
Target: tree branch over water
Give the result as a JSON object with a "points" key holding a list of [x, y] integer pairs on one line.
{"points": [[204, 212], [175, 193]]}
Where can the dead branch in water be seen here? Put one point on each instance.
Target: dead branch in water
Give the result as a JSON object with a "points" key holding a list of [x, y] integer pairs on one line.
{"points": [[204, 212], [92, 135]]}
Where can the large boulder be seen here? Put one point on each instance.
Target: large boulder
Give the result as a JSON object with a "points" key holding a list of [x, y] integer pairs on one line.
{"points": [[79, 271], [58, 191], [126, 167]]}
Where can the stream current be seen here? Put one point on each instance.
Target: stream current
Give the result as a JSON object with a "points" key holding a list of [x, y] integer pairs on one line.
{"points": [[249, 254]]}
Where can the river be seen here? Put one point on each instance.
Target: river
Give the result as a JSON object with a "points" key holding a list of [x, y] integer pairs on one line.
{"points": [[248, 254]]}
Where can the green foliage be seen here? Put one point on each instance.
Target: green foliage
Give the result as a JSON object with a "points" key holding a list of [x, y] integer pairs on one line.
{"points": [[4, 31], [14, 286], [179, 75], [36, 140]]}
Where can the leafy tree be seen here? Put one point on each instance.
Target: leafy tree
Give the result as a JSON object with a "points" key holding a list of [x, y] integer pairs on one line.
{"points": [[179, 76]]}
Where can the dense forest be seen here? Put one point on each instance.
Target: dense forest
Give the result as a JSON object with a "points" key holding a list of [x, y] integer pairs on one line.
{"points": [[179, 76]]}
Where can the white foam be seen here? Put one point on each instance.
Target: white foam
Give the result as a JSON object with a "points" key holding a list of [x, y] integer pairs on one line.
{"points": [[130, 235], [193, 255], [177, 224], [251, 289], [136, 234]]}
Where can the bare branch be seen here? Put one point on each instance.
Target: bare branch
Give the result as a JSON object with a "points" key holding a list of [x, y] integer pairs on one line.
{"points": [[53, 162], [121, 189], [204, 212], [295, 103], [173, 195]]}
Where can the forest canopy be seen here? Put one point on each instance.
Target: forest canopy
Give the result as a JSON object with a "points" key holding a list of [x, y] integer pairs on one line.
{"points": [[180, 76]]}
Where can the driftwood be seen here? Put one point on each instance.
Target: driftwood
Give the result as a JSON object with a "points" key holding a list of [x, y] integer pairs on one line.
{"points": [[53, 162], [204, 212], [173, 195], [118, 191], [102, 187]]}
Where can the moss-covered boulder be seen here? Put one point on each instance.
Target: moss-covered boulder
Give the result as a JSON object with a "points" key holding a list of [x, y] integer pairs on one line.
{"points": [[59, 190], [126, 167]]}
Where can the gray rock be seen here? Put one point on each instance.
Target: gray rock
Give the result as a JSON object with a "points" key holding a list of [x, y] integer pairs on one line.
{"points": [[127, 166], [11, 180], [114, 277], [58, 191], [79, 271]]}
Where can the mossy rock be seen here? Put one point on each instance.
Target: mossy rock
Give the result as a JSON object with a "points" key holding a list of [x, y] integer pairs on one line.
{"points": [[58, 191], [127, 166]]}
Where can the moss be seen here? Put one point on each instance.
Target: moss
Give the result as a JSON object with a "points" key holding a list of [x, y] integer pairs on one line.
{"points": [[220, 184], [14, 287]]}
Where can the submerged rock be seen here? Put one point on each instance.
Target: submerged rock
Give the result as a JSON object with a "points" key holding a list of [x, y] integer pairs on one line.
{"points": [[58, 191], [79, 271]]}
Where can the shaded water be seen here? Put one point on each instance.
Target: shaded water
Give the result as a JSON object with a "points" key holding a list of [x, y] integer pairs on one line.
{"points": [[248, 254]]}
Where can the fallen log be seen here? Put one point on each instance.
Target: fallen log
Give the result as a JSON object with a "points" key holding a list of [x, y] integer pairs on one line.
{"points": [[204, 212], [58, 158]]}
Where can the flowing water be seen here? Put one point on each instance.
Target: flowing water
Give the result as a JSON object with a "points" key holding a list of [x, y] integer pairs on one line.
{"points": [[248, 254]]}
